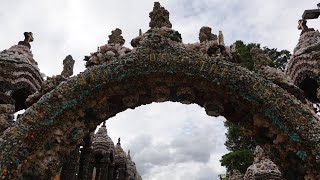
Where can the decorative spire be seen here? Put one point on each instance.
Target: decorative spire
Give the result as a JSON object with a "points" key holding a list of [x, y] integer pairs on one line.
{"points": [[101, 141], [115, 37], [262, 167], [129, 157], [206, 35], [68, 64], [159, 17], [119, 142], [221, 39], [28, 37], [302, 25], [140, 32]]}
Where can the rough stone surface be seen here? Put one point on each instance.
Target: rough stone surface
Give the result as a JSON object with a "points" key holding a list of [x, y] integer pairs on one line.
{"points": [[260, 58], [221, 38], [235, 175], [262, 66], [6, 116], [47, 86], [262, 168], [102, 143], [19, 77], [159, 17], [131, 169], [305, 60], [206, 35], [108, 52], [28, 37]]}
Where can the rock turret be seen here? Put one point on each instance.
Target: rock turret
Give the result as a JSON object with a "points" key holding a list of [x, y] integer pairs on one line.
{"points": [[108, 52], [303, 67], [19, 78], [262, 167], [132, 170], [102, 143], [159, 17]]}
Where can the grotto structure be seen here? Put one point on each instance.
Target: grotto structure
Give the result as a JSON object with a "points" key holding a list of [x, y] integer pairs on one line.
{"points": [[62, 111]]}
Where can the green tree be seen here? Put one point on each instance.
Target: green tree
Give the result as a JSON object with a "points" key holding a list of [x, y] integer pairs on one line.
{"points": [[241, 147], [279, 58], [244, 51], [239, 159]]}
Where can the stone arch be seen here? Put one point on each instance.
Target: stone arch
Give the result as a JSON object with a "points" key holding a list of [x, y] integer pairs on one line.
{"points": [[53, 126]]}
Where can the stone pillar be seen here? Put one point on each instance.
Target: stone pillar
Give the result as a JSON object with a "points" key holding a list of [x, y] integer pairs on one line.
{"points": [[86, 164], [104, 169], [98, 170], [121, 174], [111, 171], [71, 166]]}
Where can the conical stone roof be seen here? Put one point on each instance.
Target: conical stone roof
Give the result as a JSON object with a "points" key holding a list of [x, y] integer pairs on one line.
{"points": [[101, 142], [120, 155]]}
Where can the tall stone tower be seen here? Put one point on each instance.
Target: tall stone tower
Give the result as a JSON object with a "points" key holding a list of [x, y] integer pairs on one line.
{"points": [[303, 67], [19, 78]]}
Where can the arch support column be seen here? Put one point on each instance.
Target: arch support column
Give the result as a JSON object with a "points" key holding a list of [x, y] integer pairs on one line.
{"points": [[71, 166]]}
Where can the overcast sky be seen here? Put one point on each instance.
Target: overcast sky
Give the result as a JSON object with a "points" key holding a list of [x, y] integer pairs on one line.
{"points": [[167, 140]]}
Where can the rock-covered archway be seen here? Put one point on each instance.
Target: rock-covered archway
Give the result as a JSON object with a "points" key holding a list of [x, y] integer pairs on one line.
{"points": [[158, 69], [140, 77]]}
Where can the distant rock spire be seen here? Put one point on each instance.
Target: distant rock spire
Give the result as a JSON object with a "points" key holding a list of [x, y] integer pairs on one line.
{"points": [[68, 64], [140, 32], [118, 142], [221, 38], [28, 37], [128, 156], [159, 17], [115, 37], [206, 35]]}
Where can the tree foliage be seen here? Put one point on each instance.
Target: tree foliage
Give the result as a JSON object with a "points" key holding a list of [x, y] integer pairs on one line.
{"points": [[238, 159], [241, 147], [279, 58], [236, 139]]}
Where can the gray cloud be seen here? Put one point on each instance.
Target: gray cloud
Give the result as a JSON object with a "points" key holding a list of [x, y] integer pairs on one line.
{"points": [[169, 140]]}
